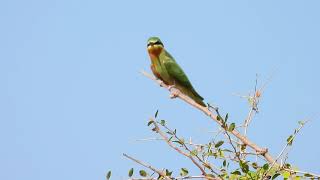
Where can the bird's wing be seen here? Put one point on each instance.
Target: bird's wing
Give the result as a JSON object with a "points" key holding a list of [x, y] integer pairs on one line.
{"points": [[175, 71]]}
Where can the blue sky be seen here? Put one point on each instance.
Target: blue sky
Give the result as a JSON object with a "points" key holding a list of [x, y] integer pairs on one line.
{"points": [[72, 99]]}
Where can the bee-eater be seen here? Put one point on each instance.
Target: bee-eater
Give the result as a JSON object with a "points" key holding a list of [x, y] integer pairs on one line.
{"points": [[165, 68]]}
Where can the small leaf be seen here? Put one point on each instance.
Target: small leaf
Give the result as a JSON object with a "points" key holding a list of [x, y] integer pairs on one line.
{"points": [[168, 132], [163, 122], [265, 166], [142, 173], [308, 175], [194, 152], [226, 118], [231, 127], [168, 173], [224, 163], [108, 175], [218, 144], [287, 165], [184, 172], [150, 122], [243, 147], [290, 140], [130, 172], [179, 142], [275, 175], [244, 166], [286, 174], [301, 123], [156, 114], [236, 172]]}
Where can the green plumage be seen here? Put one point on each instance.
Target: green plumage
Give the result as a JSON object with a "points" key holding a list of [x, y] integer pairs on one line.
{"points": [[165, 68]]}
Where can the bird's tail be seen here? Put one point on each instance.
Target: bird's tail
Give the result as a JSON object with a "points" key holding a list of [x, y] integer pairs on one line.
{"points": [[194, 95]]}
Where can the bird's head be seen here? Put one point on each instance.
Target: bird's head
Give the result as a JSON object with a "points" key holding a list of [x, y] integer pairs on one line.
{"points": [[154, 46]]}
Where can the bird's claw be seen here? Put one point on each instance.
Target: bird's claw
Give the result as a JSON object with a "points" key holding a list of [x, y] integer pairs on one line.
{"points": [[174, 94], [170, 87]]}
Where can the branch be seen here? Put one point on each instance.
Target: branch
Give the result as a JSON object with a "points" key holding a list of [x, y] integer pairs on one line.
{"points": [[287, 145], [209, 166], [147, 166], [182, 177], [206, 111], [157, 129]]}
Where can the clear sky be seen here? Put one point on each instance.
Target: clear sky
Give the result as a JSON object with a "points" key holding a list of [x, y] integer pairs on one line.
{"points": [[72, 99]]}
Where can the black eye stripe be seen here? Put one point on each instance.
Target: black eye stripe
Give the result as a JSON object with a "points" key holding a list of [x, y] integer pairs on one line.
{"points": [[155, 43], [158, 42]]}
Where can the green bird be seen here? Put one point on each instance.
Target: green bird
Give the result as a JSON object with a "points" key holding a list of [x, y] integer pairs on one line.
{"points": [[165, 68]]}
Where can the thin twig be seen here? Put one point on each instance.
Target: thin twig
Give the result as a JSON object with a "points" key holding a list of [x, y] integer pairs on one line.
{"points": [[147, 166], [286, 146]]}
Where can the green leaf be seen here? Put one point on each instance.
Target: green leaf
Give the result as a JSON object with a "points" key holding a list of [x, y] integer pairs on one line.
{"points": [[308, 175], [142, 173], [286, 174], [255, 165], [163, 122], [224, 163], [168, 173], [130, 172], [179, 142], [156, 114], [184, 172], [194, 152], [108, 175], [231, 127], [218, 144], [275, 176], [150, 122], [287, 165], [226, 118], [265, 166], [236, 172], [244, 167], [168, 132], [290, 140]]}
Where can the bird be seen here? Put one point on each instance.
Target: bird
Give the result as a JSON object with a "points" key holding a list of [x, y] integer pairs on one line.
{"points": [[165, 68]]}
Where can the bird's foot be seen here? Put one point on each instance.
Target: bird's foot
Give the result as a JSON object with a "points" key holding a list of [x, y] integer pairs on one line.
{"points": [[170, 87], [174, 93], [160, 82]]}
